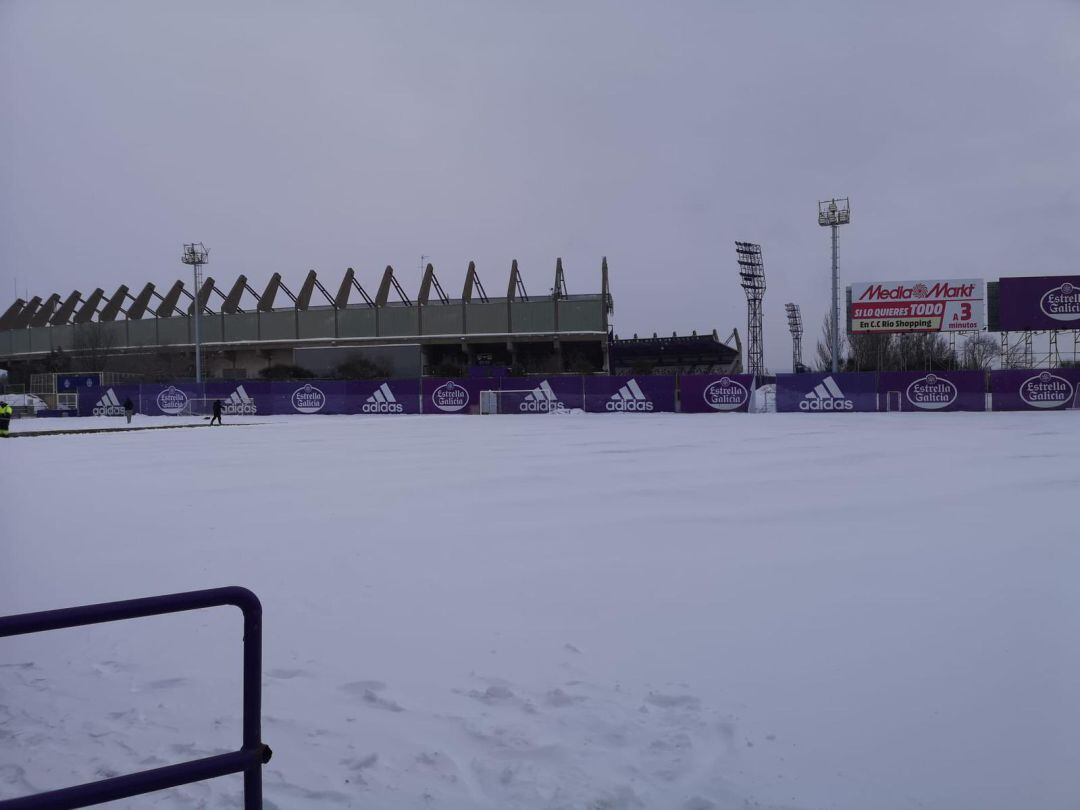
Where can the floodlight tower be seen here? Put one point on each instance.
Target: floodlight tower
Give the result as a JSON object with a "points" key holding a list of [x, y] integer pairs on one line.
{"points": [[832, 214], [197, 255], [752, 273], [794, 322]]}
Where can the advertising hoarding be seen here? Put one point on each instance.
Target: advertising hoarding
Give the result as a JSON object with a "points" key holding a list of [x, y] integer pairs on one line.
{"points": [[1039, 302], [826, 393], [932, 391], [1035, 389], [638, 394], [935, 305], [715, 393]]}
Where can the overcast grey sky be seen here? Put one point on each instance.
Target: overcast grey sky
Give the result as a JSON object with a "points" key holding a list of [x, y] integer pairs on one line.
{"points": [[328, 134]]}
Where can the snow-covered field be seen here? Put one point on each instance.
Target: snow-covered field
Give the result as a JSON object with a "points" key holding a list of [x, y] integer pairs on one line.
{"points": [[601, 612]]}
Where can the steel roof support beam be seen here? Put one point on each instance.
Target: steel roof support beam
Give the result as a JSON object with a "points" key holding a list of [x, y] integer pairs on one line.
{"points": [[141, 302], [42, 316], [168, 303], [516, 289], [389, 280], [472, 282], [89, 308], [63, 315], [231, 302], [22, 320], [113, 306], [11, 312]]}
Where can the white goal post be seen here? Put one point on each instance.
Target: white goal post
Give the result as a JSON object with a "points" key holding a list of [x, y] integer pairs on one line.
{"points": [[198, 406]]}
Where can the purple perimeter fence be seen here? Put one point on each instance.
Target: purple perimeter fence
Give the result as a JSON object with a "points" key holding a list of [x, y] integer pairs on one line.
{"points": [[1032, 389]]}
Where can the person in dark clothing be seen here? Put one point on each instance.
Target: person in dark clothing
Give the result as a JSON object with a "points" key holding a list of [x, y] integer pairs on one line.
{"points": [[5, 419], [217, 412], [129, 409]]}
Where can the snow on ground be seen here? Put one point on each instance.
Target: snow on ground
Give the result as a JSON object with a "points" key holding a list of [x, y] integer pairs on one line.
{"points": [[595, 611]]}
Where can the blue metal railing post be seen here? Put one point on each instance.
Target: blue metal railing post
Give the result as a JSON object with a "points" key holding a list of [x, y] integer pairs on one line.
{"points": [[249, 759]]}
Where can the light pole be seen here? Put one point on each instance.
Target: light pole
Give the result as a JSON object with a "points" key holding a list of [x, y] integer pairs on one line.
{"points": [[832, 214], [197, 255], [794, 322], [752, 276]]}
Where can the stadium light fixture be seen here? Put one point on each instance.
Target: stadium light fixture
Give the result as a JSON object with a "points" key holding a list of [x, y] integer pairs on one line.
{"points": [[832, 214], [196, 254], [752, 276], [795, 326]]}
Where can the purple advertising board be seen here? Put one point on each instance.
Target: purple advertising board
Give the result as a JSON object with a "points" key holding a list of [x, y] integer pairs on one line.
{"points": [[639, 394], [1035, 389], [1039, 302], [715, 393], [932, 391], [541, 394], [460, 395], [242, 397], [826, 393], [108, 400], [383, 396]]}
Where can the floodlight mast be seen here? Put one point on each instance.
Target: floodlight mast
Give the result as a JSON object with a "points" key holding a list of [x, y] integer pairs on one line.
{"points": [[196, 254], [832, 214], [752, 276], [794, 319]]}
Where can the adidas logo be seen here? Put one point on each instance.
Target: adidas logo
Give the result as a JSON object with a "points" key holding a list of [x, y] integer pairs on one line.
{"points": [[239, 403], [826, 396], [382, 401], [629, 398], [541, 400], [108, 405]]}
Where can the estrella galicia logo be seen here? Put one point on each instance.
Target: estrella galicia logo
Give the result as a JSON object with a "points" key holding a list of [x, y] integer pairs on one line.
{"points": [[932, 393], [1046, 390], [726, 394], [450, 397], [172, 400], [308, 399], [1062, 303]]}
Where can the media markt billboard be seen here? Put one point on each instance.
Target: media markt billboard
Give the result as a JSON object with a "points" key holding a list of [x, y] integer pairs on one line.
{"points": [[935, 305], [1039, 302]]}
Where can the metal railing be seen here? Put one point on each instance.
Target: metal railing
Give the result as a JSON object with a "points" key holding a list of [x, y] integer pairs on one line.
{"points": [[249, 759]]}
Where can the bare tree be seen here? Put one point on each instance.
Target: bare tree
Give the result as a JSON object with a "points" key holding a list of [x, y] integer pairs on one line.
{"points": [[823, 354], [979, 352], [93, 345]]}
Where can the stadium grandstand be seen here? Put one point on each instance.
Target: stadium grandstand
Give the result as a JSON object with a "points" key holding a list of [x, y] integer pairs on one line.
{"points": [[244, 332], [685, 354]]}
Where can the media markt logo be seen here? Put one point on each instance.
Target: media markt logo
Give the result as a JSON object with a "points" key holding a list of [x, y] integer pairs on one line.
{"points": [[308, 399], [450, 397], [108, 405], [629, 398], [541, 399], [932, 393], [1062, 303], [382, 401], [172, 400], [826, 396], [726, 394], [1046, 390], [239, 403]]}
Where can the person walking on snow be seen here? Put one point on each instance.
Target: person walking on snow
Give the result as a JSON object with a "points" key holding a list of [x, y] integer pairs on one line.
{"points": [[129, 409], [5, 419], [217, 412]]}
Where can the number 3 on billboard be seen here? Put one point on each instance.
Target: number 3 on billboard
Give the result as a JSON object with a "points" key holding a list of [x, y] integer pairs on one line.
{"points": [[965, 313]]}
